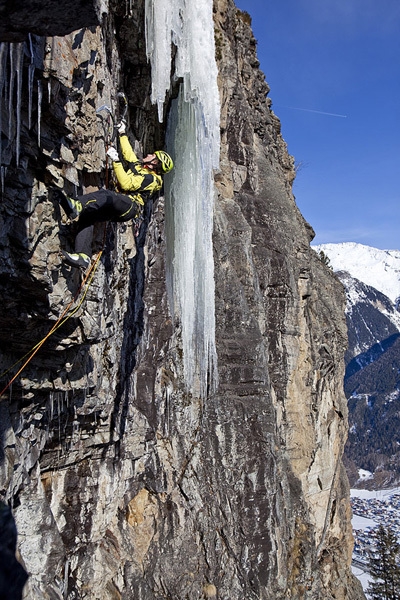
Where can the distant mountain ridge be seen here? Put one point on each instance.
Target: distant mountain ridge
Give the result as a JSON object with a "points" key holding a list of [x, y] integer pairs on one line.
{"points": [[377, 268], [371, 279]]}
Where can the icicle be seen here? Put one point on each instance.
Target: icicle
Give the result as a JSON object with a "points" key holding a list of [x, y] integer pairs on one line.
{"points": [[59, 411], [65, 590], [158, 43], [167, 410], [51, 403], [128, 8], [11, 91], [3, 172], [49, 90], [39, 115], [16, 60], [18, 68], [31, 73], [3, 80]]}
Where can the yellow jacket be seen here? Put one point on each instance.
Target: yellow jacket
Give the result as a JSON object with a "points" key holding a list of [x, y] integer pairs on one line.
{"points": [[137, 178]]}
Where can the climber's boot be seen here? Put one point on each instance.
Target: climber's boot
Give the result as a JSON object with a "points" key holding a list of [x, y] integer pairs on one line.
{"points": [[72, 207], [76, 260], [75, 207]]}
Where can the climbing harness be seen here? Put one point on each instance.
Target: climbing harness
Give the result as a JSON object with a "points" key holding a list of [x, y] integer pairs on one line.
{"points": [[60, 321]]}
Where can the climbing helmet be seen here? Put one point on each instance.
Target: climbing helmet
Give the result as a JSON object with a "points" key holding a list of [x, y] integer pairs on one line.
{"points": [[166, 161]]}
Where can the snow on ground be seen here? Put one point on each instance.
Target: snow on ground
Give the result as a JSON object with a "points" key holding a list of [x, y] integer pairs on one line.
{"points": [[362, 576], [359, 522], [364, 475], [365, 524], [378, 494]]}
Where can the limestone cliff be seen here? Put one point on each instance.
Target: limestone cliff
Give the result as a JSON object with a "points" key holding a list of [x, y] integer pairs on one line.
{"points": [[124, 485]]}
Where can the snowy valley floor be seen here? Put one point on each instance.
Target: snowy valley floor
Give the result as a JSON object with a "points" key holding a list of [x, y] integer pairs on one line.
{"points": [[370, 509]]}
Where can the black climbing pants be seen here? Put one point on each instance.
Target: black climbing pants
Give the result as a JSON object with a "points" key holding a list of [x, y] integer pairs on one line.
{"points": [[101, 206]]}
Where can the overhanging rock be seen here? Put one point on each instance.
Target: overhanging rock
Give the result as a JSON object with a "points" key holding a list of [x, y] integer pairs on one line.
{"points": [[46, 17]]}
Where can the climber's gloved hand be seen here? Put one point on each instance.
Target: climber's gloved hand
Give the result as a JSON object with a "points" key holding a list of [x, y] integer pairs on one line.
{"points": [[113, 154], [121, 126]]}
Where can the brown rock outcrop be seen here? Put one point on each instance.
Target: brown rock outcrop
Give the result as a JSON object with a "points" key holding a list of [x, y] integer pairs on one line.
{"points": [[123, 484]]}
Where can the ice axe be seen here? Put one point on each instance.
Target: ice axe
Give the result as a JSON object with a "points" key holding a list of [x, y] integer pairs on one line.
{"points": [[109, 126], [122, 102], [108, 123], [104, 107], [109, 131]]}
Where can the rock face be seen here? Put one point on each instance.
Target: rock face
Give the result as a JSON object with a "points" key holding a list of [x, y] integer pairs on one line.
{"points": [[122, 484]]}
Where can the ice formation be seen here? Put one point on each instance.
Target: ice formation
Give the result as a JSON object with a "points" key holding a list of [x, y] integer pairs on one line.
{"points": [[11, 83], [11, 88], [3, 172], [39, 112], [3, 81], [193, 141], [31, 72], [18, 69]]}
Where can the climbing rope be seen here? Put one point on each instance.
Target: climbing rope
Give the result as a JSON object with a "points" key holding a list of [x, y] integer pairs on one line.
{"points": [[60, 321]]}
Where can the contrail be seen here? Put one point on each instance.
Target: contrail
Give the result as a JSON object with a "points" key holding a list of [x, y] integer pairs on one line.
{"points": [[320, 112]]}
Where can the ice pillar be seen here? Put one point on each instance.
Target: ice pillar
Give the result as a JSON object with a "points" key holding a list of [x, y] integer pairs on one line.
{"points": [[193, 141]]}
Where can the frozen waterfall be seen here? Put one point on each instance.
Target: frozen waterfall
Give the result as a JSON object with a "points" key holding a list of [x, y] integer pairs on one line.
{"points": [[193, 141]]}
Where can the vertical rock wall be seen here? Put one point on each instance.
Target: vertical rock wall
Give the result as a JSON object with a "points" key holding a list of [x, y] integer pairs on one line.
{"points": [[122, 484]]}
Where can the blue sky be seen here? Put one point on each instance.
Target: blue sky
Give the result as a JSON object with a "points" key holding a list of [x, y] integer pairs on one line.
{"points": [[340, 57]]}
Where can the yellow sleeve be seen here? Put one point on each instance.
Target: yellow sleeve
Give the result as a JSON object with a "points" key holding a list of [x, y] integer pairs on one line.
{"points": [[126, 149], [136, 178]]}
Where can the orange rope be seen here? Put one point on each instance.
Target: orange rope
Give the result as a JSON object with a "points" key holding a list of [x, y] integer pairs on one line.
{"points": [[58, 323], [107, 141], [106, 147]]}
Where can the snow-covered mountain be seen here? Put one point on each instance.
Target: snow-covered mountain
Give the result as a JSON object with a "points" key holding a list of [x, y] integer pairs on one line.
{"points": [[377, 268], [371, 316], [371, 279]]}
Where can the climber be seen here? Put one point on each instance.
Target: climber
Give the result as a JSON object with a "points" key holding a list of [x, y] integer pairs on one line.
{"points": [[138, 183]]}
